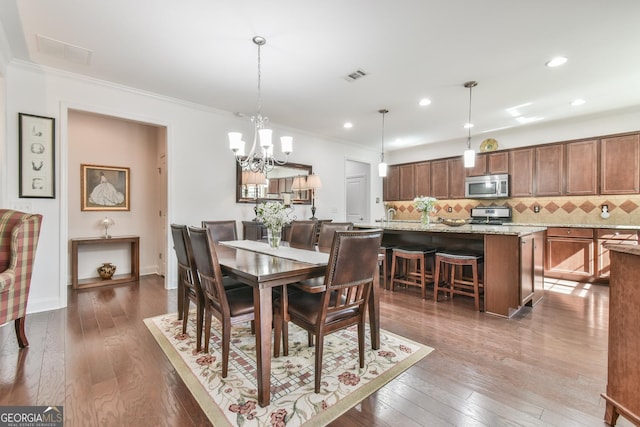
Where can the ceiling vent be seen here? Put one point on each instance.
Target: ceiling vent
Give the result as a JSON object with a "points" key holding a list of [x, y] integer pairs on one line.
{"points": [[352, 77], [61, 50]]}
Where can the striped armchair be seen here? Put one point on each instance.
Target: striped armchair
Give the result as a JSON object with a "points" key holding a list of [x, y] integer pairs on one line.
{"points": [[19, 234]]}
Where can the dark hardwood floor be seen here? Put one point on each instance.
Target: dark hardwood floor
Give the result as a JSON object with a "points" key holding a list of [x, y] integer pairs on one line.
{"points": [[546, 366]]}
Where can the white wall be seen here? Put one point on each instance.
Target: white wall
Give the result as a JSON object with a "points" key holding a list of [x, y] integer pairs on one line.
{"points": [[201, 171]]}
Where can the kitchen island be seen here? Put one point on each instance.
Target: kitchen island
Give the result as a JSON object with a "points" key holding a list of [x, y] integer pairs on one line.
{"points": [[513, 272]]}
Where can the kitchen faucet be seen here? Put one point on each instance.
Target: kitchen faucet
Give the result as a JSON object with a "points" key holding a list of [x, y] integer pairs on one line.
{"points": [[390, 213]]}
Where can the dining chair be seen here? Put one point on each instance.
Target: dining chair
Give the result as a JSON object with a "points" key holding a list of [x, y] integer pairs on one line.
{"points": [[328, 229], [302, 233], [188, 279], [353, 263], [19, 234], [221, 231], [230, 306]]}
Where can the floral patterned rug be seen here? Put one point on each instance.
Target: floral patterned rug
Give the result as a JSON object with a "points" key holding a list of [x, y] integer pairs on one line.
{"points": [[232, 400]]}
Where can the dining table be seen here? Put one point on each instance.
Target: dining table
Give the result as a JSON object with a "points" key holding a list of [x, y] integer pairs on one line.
{"points": [[263, 268]]}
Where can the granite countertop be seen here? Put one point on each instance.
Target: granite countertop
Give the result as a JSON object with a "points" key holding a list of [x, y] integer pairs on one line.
{"points": [[512, 230], [627, 249], [546, 225]]}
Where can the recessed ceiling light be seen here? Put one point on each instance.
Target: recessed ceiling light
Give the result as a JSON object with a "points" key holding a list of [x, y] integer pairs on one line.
{"points": [[556, 62], [577, 102], [424, 102], [348, 125]]}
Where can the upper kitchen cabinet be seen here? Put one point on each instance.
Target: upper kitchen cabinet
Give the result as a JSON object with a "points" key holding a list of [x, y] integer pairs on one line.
{"points": [[456, 178], [582, 168], [619, 169], [440, 179], [549, 170], [521, 171], [422, 184], [490, 164], [407, 182], [392, 184]]}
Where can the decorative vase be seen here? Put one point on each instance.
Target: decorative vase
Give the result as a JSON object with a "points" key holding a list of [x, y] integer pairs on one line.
{"points": [[106, 270], [424, 218], [273, 237]]}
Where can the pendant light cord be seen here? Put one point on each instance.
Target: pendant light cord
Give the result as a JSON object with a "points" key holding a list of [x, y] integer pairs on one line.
{"points": [[383, 112]]}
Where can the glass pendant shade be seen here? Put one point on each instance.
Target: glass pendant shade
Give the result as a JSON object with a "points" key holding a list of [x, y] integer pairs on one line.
{"points": [[286, 142], [469, 158], [382, 170]]}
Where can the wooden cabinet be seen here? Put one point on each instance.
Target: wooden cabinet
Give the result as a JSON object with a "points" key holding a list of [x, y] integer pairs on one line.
{"points": [[407, 181], [391, 184], [611, 236], [623, 364], [581, 173], [619, 168], [521, 171], [531, 268], [456, 171], [570, 253], [439, 179], [423, 179], [549, 170], [490, 164]]}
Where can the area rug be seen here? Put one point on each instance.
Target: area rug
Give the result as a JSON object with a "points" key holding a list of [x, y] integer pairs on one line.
{"points": [[232, 400]]}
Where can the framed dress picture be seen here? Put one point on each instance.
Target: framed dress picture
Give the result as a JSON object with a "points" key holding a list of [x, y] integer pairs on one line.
{"points": [[36, 140], [104, 188]]}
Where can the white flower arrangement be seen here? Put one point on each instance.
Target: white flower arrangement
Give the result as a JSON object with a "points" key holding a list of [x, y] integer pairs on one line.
{"points": [[424, 203], [272, 214]]}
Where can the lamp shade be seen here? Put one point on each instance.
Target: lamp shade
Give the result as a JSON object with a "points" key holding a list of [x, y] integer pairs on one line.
{"points": [[254, 178], [382, 170], [298, 183], [469, 158], [286, 142], [313, 182]]}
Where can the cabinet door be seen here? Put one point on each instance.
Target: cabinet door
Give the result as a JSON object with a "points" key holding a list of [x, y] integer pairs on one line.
{"points": [[407, 181], [423, 179], [527, 269], [521, 171], [616, 237], [620, 172], [480, 168], [439, 179], [392, 184], [570, 256], [582, 168], [549, 170], [498, 162], [456, 178]]}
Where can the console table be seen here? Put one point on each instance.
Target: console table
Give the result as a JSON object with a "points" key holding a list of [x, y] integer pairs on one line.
{"points": [[132, 277]]}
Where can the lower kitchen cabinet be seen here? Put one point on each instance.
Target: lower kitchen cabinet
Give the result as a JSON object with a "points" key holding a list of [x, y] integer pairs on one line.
{"points": [[570, 253], [609, 236]]}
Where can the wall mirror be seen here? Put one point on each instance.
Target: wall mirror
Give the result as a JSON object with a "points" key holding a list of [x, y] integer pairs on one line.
{"points": [[282, 184]]}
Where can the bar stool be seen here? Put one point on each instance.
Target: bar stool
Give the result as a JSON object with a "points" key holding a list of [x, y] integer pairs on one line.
{"points": [[385, 255], [412, 277], [453, 285]]}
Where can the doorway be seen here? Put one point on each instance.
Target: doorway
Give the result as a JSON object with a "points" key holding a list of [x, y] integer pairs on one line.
{"points": [[357, 191]]}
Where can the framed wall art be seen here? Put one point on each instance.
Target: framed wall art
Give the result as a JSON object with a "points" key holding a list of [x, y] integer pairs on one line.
{"points": [[36, 139], [104, 188]]}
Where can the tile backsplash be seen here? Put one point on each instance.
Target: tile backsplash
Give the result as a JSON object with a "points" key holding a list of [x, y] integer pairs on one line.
{"points": [[623, 209]]}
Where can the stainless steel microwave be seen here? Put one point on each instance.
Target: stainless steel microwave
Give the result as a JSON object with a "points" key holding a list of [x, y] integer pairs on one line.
{"points": [[486, 186]]}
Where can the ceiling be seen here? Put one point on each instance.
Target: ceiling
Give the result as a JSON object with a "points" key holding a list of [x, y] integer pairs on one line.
{"points": [[201, 51]]}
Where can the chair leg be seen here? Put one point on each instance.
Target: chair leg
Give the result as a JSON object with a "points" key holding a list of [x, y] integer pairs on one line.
{"points": [[361, 342], [20, 335], [436, 280], [199, 320], [476, 286], [423, 281], [185, 313], [318, 366], [393, 272], [226, 344], [207, 329]]}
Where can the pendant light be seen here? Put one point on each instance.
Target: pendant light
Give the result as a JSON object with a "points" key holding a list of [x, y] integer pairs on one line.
{"points": [[382, 167], [469, 154]]}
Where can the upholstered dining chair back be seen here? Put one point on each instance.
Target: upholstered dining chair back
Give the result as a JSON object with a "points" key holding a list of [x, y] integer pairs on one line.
{"points": [[188, 279], [328, 229], [19, 233], [302, 233], [221, 231], [208, 267]]}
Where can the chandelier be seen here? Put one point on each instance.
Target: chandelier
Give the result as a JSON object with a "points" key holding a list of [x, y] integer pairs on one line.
{"points": [[260, 158], [469, 153]]}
